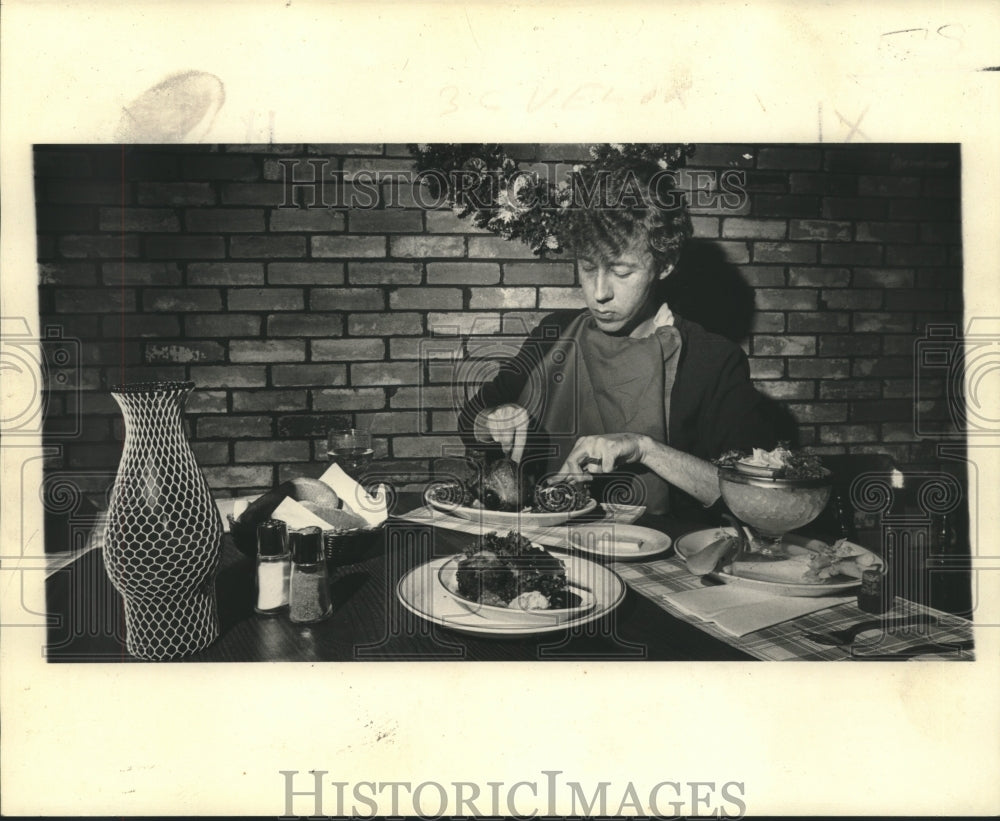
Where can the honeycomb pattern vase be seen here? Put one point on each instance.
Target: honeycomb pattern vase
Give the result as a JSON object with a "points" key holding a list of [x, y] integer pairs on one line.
{"points": [[163, 537]]}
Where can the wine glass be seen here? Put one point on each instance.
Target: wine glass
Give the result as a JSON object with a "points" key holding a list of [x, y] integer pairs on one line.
{"points": [[351, 449]]}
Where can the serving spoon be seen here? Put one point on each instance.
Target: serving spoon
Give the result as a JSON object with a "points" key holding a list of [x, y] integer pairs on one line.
{"points": [[743, 541]]}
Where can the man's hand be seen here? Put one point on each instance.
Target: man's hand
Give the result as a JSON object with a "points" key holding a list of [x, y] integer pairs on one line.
{"points": [[601, 454], [506, 425]]}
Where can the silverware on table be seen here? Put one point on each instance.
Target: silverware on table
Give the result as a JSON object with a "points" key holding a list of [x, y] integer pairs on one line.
{"points": [[927, 649], [743, 543], [846, 637]]}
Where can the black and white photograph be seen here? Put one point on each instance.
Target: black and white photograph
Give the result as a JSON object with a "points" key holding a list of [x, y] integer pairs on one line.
{"points": [[366, 422], [598, 401]]}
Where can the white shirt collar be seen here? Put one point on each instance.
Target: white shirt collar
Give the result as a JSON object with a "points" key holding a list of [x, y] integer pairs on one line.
{"points": [[663, 317]]}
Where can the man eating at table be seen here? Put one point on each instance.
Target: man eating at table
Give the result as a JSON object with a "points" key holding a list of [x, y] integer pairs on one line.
{"points": [[625, 389]]}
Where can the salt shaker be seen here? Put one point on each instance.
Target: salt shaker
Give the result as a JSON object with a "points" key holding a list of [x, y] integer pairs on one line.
{"points": [[309, 593], [274, 567]]}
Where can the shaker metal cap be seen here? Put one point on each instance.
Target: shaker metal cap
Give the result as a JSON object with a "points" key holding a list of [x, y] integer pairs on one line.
{"points": [[272, 538], [307, 545]]}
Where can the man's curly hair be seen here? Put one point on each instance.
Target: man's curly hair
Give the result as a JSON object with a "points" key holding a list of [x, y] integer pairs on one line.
{"points": [[619, 201]]}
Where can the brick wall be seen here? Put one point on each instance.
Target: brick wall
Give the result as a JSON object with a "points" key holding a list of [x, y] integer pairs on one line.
{"points": [[178, 262]]}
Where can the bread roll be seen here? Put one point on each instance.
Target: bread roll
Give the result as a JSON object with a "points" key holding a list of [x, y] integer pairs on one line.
{"points": [[311, 493]]}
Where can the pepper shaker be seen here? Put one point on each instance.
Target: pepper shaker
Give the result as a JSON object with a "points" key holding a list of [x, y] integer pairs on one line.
{"points": [[309, 593], [274, 567]]}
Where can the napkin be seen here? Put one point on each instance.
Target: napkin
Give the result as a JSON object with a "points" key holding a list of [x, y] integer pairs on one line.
{"points": [[741, 610], [239, 505], [373, 509], [296, 516]]}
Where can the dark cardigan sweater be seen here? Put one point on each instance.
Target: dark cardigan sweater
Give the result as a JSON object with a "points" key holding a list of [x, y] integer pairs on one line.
{"points": [[713, 405]]}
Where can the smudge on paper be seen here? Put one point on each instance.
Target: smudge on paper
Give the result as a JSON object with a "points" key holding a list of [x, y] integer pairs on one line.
{"points": [[181, 107]]}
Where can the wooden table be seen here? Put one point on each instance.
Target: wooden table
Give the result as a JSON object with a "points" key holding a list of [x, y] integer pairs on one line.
{"points": [[368, 623]]}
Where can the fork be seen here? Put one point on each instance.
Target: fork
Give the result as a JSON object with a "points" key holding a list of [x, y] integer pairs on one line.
{"points": [[846, 637], [928, 648]]}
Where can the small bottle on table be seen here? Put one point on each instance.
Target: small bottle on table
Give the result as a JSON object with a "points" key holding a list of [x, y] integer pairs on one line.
{"points": [[309, 593], [877, 594], [274, 566]]}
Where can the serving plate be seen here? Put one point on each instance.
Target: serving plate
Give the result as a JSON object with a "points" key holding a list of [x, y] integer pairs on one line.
{"points": [[779, 578], [513, 520], [621, 542], [421, 592]]}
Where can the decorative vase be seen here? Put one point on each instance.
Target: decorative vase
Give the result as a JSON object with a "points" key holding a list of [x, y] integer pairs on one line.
{"points": [[163, 537]]}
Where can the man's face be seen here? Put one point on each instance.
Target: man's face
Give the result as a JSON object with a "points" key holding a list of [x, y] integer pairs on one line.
{"points": [[619, 291]]}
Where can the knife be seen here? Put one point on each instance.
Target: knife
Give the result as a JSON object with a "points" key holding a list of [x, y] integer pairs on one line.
{"points": [[926, 649]]}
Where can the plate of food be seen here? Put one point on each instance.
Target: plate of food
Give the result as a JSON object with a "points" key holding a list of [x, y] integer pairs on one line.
{"points": [[811, 568], [502, 497], [506, 585], [508, 578]]}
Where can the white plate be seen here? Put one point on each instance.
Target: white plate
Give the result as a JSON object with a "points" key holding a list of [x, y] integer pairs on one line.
{"points": [[513, 520], [421, 593], [620, 542], [770, 577]]}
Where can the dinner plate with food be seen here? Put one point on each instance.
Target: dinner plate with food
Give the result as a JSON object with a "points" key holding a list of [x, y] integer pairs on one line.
{"points": [[503, 584], [811, 567], [503, 497]]}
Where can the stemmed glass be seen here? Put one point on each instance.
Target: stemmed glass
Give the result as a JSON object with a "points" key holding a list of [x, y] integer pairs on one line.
{"points": [[772, 507], [350, 448]]}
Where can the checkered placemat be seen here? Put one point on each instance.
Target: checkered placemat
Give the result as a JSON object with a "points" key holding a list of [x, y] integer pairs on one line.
{"points": [[786, 641]]}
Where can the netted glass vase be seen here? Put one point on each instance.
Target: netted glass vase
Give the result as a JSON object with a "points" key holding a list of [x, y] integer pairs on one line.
{"points": [[164, 533]]}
